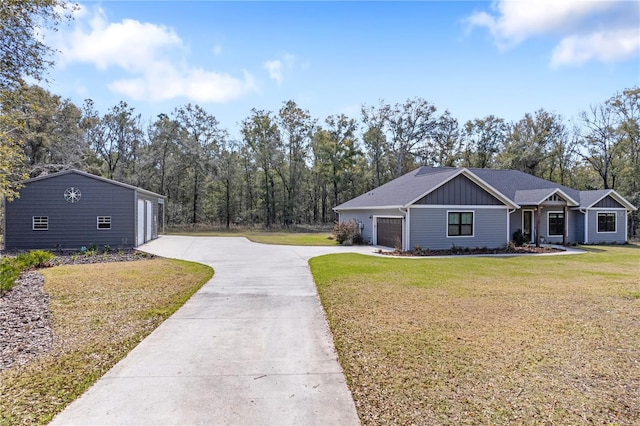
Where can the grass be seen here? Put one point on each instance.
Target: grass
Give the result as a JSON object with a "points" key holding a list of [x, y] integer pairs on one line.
{"points": [[99, 313], [268, 237], [519, 340]]}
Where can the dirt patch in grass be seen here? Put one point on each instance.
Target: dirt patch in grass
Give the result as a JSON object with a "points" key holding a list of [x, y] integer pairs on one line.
{"points": [[553, 340], [99, 312]]}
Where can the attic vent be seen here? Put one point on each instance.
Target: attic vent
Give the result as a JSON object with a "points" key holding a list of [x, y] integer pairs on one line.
{"points": [[371, 193], [555, 197]]}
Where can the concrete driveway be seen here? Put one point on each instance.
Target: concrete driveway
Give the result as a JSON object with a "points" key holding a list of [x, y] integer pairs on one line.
{"points": [[252, 347]]}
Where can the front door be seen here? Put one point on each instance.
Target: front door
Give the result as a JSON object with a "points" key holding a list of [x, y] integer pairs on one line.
{"points": [[527, 225]]}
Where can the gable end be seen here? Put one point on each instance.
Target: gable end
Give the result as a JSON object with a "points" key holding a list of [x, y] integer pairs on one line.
{"points": [[609, 203], [460, 191]]}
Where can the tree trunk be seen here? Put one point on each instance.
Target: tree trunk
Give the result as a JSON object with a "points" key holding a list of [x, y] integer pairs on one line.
{"points": [[195, 197]]}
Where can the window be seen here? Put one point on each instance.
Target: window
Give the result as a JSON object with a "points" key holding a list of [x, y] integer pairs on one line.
{"points": [[556, 223], [460, 224], [606, 222], [40, 223], [104, 222]]}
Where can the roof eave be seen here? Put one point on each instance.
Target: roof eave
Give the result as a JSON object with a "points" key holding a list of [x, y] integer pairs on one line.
{"points": [[339, 209], [619, 198], [475, 179]]}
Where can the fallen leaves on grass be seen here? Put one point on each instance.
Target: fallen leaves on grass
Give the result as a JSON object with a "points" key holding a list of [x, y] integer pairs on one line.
{"points": [[99, 313]]}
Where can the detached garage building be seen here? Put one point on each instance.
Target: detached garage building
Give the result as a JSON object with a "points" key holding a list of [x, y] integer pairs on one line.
{"points": [[71, 209]]}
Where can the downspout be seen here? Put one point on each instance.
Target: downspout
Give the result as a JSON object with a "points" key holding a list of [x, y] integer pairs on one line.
{"points": [[405, 237]]}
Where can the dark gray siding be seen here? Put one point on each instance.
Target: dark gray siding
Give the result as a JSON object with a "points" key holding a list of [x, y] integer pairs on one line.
{"points": [[575, 220], [544, 225], [366, 218], [618, 237], [71, 225], [579, 227], [515, 222], [574, 223], [428, 229], [459, 191], [608, 203]]}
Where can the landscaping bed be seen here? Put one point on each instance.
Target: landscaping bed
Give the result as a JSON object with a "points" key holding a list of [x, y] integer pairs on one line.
{"points": [[461, 251]]}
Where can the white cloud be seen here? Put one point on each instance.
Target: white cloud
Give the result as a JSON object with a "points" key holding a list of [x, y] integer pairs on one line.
{"points": [[153, 55], [588, 29], [277, 67], [275, 70], [604, 46]]}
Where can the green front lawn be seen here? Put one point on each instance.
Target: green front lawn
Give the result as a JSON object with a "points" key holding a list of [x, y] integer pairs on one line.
{"points": [[518, 340]]}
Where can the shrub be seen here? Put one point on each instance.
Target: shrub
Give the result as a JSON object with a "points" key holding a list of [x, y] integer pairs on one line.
{"points": [[518, 238], [346, 232], [34, 259], [419, 251], [12, 267], [9, 273]]}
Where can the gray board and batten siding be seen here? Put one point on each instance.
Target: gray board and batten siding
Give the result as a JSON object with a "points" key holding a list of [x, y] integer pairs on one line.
{"points": [[460, 191], [71, 225], [609, 203]]}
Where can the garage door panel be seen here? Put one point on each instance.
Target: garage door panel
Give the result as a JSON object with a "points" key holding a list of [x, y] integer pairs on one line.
{"points": [[389, 232]]}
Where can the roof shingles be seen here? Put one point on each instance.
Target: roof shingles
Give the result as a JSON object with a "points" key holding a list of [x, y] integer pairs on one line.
{"points": [[519, 187]]}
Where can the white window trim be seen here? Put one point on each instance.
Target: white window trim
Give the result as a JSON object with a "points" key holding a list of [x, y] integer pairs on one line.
{"points": [[33, 223], [473, 223], [615, 223], [98, 223], [549, 234]]}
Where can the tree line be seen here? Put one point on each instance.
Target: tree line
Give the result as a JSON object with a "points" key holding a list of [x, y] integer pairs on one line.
{"points": [[288, 168]]}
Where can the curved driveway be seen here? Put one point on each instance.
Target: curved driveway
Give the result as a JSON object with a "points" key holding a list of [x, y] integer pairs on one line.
{"points": [[252, 346]]}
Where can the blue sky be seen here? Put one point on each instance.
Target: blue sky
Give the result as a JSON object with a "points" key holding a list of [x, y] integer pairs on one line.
{"points": [[504, 58]]}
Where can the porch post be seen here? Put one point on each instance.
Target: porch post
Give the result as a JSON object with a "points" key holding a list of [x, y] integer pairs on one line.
{"points": [[566, 227], [537, 214]]}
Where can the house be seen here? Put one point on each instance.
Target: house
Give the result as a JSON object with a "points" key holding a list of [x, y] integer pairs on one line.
{"points": [[438, 208], [71, 209]]}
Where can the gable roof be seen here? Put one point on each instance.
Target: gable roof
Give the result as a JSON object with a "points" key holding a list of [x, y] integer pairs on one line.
{"points": [[89, 175], [412, 186], [591, 198], [512, 187], [400, 191], [536, 197]]}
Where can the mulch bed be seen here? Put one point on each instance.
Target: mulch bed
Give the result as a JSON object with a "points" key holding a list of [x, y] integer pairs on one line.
{"points": [[25, 318], [473, 251]]}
